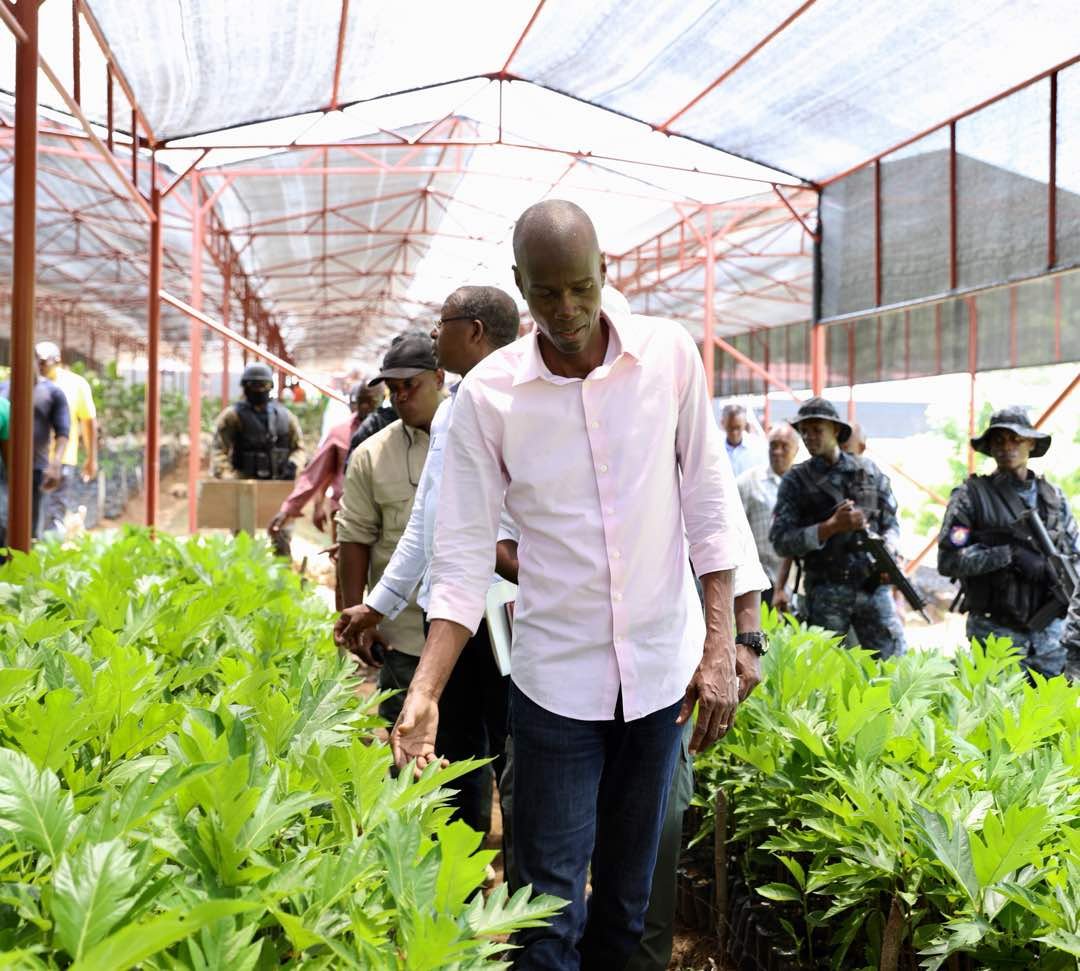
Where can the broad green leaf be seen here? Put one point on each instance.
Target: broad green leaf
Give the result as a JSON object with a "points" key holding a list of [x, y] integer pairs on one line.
{"points": [[32, 804], [47, 730], [779, 891], [137, 942], [461, 867], [1009, 842], [15, 683], [950, 848], [871, 738], [794, 868], [501, 914], [431, 941], [1067, 941], [90, 894]]}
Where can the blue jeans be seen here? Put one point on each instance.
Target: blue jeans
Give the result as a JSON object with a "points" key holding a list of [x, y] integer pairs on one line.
{"points": [[588, 793]]}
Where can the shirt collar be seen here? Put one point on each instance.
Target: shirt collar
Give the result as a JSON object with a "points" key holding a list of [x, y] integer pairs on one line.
{"points": [[624, 328], [412, 435]]}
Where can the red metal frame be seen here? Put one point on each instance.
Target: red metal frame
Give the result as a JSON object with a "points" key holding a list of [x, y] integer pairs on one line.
{"points": [[153, 364], [23, 278], [780, 28], [734, 253]]}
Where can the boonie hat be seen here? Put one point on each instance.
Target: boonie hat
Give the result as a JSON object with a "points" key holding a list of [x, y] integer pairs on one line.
{"points": [[1015, 419], [821, 408], [409, 355]]}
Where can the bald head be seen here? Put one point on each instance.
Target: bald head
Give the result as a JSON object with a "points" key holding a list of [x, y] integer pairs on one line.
{"points": [[783, 447], [560, 272], [553, 222], [856, 442]]}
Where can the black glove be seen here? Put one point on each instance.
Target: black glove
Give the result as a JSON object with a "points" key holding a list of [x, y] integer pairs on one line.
{"points": [[1028, 563]]}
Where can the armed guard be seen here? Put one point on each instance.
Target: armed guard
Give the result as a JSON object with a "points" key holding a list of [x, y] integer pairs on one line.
{"points": [[1011, 540], [256, 438], [827, 510]]}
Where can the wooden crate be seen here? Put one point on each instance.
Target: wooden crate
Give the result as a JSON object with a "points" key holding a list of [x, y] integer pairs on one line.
{"points": [[240, 504]]}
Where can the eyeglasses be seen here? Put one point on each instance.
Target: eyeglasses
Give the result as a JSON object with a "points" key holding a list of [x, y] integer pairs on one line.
{"points": [[440, 321]]}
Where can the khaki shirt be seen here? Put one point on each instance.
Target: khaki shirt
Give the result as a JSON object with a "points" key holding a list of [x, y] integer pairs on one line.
{"points": [[380, 484]]}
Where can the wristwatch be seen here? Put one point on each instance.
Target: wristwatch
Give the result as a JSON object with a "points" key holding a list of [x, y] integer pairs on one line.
{"points": [[755, 640]]}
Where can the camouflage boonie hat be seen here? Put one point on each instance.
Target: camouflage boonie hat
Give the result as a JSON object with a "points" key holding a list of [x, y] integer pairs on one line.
{"points": [[1016, 420], [821, 408]]}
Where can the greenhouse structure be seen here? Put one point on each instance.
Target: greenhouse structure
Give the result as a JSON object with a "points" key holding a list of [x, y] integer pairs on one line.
{"points": [[824, 193]]}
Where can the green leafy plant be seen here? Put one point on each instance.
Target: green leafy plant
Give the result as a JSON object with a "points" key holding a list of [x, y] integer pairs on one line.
{"points": [[189, 779], [910, 810]]}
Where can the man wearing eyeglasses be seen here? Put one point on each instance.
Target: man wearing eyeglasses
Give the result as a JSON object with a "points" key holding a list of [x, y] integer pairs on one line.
{"points": [[380, 484], [475, 321]]}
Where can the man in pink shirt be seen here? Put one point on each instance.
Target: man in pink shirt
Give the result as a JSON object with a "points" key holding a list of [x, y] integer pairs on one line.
{"points": [[326, 470], [596, 430]]}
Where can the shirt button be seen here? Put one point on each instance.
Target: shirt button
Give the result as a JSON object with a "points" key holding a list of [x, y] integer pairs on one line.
{"points": [[618, 596], [596, 424], [616, 555], [603, 468], [610, 510]]}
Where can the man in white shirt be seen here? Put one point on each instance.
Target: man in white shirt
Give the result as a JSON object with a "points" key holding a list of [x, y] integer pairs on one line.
{"points": [[757, 490], [596, 429], [474, 321]]}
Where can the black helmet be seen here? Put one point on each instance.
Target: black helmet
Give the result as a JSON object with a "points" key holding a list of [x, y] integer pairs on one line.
{"points": [[257, 371]]}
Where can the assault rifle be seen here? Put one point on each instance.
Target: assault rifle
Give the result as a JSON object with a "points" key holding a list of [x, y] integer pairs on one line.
{"points": [[1030, 531], [884, 565], [1062, 568]]}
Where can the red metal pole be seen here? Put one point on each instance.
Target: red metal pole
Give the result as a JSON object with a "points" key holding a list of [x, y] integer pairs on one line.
{"points": [[225, 306], [973, 360], [817, 358], [247, 317], [877, 233], [707, 347], [76, 72], [153, 365], [851, 370], [1044, 417], [1051, 189], [258, 351], [953, 267], [195, 385], [109, 105], [23, 363], [134, 150]]}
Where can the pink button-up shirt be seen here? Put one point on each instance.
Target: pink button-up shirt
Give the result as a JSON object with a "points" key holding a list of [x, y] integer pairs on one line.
{"points": [[607, 478]]}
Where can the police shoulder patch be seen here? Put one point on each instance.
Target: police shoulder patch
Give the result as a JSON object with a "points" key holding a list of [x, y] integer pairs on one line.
{"points": [[959, 536]]}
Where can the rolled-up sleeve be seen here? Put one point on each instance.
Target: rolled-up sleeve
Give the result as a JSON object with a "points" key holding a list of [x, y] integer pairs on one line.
{"points": [[707, 485], [359, 519], [467, 521]]}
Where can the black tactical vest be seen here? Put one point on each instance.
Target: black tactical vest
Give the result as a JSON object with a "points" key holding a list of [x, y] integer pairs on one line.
{"points": [[1007, 596], [261, 446], [837, 561]]}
